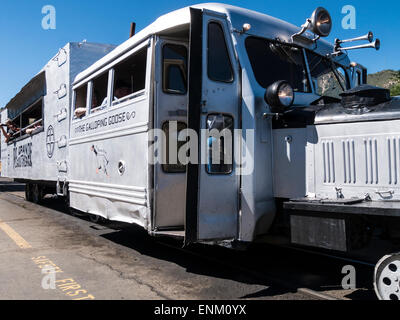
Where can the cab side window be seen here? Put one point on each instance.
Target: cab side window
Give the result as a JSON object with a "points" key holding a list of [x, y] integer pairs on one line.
{"points": [[174, 69], [219, 65]]}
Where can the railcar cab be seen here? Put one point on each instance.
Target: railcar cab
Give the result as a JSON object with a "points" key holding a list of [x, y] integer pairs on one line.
{"points": [[260, 52]]}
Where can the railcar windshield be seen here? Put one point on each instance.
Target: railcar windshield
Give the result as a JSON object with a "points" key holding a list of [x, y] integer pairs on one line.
{"points": [[329, 79], [272, 61]]}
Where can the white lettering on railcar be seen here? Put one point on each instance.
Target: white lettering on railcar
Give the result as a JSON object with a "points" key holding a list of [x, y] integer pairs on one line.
{"points": [[23, 156]]}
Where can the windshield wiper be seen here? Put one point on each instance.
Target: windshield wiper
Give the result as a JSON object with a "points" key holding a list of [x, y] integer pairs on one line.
{"points": [[333, 68], [280, 49]]}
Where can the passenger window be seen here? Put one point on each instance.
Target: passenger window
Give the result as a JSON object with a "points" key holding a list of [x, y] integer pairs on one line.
{"points": [[14, 131], [130, 77], [31, 118], [99, 93], [80, 101], [172, 164], [219, 64], [174, 69], [29, 122], [220, 144]]}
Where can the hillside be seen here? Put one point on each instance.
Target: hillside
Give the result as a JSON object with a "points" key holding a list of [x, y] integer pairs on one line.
{"points": [[388, 79]]}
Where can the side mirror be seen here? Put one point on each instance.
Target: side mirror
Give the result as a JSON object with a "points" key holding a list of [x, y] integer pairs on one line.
{"points": [[279, 96]]}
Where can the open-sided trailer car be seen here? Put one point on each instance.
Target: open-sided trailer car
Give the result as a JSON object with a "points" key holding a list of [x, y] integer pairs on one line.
{"points": [[38, 154], [318, 167]]}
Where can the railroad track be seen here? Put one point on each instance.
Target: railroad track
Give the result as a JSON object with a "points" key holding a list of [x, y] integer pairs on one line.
{"points": [[257, 274]]}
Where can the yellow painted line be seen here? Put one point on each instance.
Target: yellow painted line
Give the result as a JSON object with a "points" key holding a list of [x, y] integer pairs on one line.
{"points": [[21, 242]]}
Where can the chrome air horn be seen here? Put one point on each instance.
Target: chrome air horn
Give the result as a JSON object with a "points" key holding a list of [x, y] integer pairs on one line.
{"points": [[368, 37]]}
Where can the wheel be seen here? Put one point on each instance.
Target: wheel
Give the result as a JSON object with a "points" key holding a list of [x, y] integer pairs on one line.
{"points": [[387, 277], [28, 192], [37, 193], [95, 218]]}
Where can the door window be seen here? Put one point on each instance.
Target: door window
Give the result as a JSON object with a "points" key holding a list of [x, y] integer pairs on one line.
{"points": [[219, 64], [174, 69], [220, 144]]}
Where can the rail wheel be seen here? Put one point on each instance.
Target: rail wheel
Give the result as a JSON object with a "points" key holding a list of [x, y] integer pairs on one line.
{"points": [[387, 277], [37, 193]]}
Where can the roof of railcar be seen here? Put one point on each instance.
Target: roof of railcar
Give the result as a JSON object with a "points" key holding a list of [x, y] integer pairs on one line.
{"points": [[28, 93], [262, 25]]}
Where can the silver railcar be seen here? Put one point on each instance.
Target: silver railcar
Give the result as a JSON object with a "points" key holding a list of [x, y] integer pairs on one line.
{"points": [[318, 150]]}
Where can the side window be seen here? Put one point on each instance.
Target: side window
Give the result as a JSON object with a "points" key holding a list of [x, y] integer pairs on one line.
{"points": [[99, 93], [174, 69], [15, 132], [80, 101], [31, 119], [130, 77], [172, 163], [219, 66], [29, 122], [220, 144]]}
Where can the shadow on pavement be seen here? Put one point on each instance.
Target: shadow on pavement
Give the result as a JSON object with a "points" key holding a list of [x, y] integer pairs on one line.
{"points": [[306, 270]]}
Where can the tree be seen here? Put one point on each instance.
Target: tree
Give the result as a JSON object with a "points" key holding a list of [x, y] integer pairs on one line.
{"points": [[395, 91]]}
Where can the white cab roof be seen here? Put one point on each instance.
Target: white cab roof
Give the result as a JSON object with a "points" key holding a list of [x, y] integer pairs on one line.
{"points": [[262, 25]]}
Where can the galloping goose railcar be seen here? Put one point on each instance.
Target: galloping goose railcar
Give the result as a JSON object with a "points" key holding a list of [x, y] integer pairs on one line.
{"points": [[316, 150]]}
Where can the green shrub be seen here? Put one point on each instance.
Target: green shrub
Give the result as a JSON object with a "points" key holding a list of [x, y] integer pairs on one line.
{"points": [[395, 91]]}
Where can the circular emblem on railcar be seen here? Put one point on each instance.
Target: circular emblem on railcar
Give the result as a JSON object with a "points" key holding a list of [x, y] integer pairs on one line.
{"points": [[50, 141]]}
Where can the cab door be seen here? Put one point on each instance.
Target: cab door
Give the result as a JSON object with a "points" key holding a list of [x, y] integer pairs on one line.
{"points": [[170, 116], [212, 205]]}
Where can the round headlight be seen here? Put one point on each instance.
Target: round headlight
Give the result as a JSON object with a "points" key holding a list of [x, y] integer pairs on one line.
{"points": [[321, 22], [286, 95], [279, 96]]}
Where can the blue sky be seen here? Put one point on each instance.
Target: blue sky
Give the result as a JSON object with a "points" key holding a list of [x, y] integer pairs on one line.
{"points": [[26, 47]]}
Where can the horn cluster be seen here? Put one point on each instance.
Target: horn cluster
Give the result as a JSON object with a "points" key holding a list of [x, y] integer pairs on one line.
{"points": [[368, 37]]}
